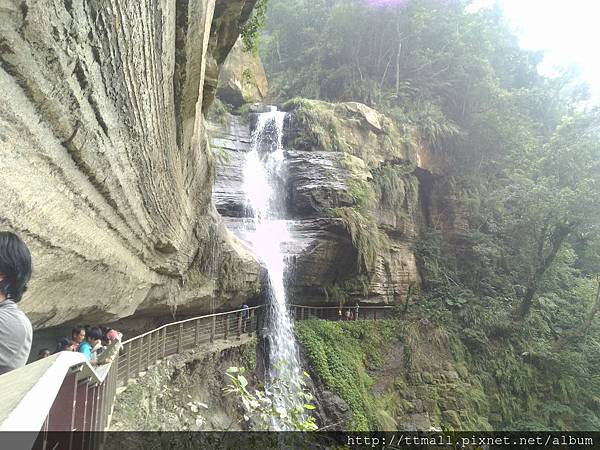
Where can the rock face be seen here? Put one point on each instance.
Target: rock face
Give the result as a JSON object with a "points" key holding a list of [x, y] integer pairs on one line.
{"points": [[319, 181], [230, 140], [344, 162], [229, 16], [185, 393], [242, 78], [106, 172]]}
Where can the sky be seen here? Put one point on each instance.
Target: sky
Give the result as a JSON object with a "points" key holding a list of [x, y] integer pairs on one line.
{"points": [[568, 32]]}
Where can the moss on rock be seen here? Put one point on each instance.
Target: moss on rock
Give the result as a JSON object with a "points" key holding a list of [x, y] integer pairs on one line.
{"points": [[349, 127]]}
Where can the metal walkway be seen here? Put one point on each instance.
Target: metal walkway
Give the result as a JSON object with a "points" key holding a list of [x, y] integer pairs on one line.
{"points": [[65, 393]]}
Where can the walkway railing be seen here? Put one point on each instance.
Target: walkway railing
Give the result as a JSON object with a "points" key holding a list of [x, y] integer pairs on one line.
{"points": [[141, 352], [65, 393], [300, 312]]}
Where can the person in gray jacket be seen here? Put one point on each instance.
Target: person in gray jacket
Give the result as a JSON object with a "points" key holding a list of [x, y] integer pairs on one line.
{"points": [[15, 327]]}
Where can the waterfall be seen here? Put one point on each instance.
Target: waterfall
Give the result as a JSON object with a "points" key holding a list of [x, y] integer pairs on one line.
{"points": [[263, 185]]}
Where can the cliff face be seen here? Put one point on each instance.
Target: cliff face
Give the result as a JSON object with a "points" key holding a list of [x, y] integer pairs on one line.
{"points": [[242, 78], [365, 182], [353, 200], [105, 168]]}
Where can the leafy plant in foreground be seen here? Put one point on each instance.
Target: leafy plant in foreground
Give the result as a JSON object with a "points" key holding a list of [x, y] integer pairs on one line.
{"points": [[261, 409]]}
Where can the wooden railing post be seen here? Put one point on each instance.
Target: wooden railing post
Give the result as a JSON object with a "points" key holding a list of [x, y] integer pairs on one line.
{"points": [[375, 314], [149, 347], [302, 313], [164, 343], [251, 319], [156, 346], [239, 327], [213, 329], [180, 339], [197, 338], [128, 371], [138, 360], [226, 326]]}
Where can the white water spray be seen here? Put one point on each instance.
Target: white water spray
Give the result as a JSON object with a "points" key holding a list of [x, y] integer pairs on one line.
{"points": [[267, 231]]}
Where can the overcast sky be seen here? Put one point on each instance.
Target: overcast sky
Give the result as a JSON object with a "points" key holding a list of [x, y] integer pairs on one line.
{"points": [[568, 32]]}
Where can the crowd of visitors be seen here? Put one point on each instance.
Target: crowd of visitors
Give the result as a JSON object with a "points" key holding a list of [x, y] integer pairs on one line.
{"points": [[349, 314], [91, 341]]}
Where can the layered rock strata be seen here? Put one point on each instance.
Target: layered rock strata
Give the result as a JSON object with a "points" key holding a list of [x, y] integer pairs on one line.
{"points": [[338, 160], [105, 168]]}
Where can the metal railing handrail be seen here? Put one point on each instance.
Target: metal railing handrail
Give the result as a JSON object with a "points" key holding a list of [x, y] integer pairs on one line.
{"points": [[29, 412], [42, 393], [345, 307], [170, 324]]}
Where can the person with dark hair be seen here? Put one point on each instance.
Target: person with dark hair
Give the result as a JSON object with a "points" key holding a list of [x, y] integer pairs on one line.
{"points": [[113, 334], [64, 345], [93, 341], [43, 353], [77, 337], [15, 328]]}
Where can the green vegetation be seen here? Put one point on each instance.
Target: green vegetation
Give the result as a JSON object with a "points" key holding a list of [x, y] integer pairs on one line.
{"points": [[319, 125], [158, 402], [366, 237], [462, 384], [218, 111], [350, 128], [510, 248], [339, 353], [251, 32], [260, 406], [397, 189]]}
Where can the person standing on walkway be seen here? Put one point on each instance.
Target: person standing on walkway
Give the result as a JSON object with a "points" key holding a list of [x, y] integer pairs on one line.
{"points": [[15, 328], [245, 317], [89, 347]]}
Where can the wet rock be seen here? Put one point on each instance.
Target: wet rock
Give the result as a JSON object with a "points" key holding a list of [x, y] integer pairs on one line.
{"points": [[321, 254], [318, 253], [230, 140], [321, 180], [334, 411]]}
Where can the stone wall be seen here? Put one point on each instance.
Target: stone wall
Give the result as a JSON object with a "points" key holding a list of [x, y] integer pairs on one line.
{"points": [[343, 149]]}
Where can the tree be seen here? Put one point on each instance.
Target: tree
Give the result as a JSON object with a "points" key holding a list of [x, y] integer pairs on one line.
{"points": [[250, 33], [553, 196]]}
